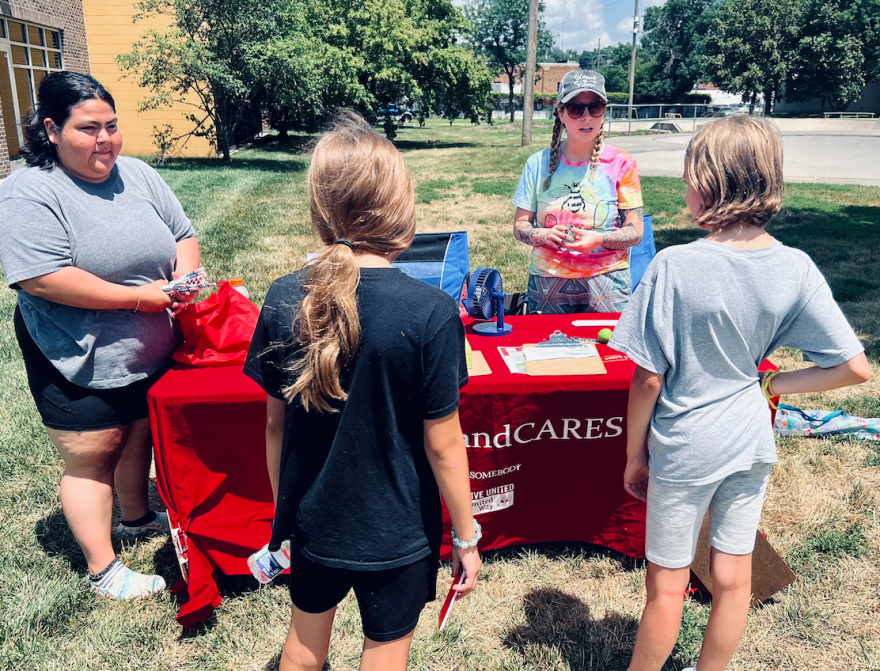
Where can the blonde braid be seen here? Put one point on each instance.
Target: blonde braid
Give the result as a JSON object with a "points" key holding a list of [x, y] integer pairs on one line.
{"points": [[597, 149], [554, 150]]}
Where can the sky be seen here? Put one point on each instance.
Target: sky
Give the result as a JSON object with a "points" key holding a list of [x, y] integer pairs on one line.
{"points": [[582, 24]]}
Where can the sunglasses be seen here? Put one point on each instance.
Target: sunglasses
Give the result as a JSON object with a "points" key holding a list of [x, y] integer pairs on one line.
{"points": [[576, 110]]}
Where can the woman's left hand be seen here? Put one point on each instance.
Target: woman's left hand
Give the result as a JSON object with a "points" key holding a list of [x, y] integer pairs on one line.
{"points": [[585, 241], [182, 299]]}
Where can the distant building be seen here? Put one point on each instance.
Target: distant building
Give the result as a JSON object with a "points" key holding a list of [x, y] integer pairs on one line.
{"points": [[869, 102], [548, 75], [719, 97]]}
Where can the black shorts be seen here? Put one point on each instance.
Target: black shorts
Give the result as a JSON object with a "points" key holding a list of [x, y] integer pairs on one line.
{"points": [[390, 600], [66, 406]]}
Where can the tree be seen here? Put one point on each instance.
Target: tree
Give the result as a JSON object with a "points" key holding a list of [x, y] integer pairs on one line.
{"points": [[404, 50], [461, 85], [297, 59], [751, 47], [500, 33], [837, 52], [203, 60], [615, 62], [674, 36]]}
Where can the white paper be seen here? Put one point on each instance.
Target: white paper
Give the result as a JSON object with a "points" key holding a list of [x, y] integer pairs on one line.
{"points": [[550, 353], [595, 322], [513, 357]]}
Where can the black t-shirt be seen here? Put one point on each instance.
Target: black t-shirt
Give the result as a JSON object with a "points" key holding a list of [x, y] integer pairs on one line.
{"points": [[356, 489]]}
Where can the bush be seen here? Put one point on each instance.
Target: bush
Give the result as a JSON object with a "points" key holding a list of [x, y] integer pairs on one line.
{"points": [[641, 99]]}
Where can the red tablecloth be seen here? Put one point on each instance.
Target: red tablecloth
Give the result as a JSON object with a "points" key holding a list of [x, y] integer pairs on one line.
{"points": [[546, 456]]}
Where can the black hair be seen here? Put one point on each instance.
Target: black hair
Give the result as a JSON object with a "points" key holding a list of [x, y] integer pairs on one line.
{"points": [[59, 93]]}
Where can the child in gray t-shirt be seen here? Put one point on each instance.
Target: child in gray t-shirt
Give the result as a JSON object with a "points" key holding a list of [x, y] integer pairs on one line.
{"points": [[703, 318]]}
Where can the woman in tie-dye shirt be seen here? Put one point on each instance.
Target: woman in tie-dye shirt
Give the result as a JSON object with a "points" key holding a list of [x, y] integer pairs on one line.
{"points": [[579, 205]]}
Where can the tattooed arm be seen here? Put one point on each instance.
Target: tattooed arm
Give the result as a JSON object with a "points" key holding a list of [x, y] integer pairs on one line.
{"points": [[525, 231], [630, 233]]}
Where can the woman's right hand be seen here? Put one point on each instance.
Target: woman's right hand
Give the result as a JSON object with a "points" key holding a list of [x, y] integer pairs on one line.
{"points": [[153, 298], [469, 560]]}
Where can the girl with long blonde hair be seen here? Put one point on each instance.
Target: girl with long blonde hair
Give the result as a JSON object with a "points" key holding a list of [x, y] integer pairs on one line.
{"points": [[579, 205], [362, 367]]}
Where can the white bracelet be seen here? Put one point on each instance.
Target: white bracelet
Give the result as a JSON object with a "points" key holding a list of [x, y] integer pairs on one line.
{"points": [[478, 534]]}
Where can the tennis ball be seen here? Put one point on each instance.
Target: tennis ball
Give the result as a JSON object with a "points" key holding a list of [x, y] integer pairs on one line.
{"points": [[604, 335]]}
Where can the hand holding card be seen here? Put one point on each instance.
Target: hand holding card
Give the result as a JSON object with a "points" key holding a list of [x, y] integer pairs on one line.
{"points": [[195, 280]]}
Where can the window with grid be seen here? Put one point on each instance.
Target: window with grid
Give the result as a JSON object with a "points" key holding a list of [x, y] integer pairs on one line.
{"points": [[27, 54]]}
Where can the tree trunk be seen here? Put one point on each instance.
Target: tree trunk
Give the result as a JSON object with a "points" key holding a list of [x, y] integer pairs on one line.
{"points": [[221, 121], [769, 95], [510, 80], [753, 101]]}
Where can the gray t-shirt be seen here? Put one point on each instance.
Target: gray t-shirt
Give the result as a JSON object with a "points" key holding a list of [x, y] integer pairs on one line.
{"points": [[704, 316], [125, 230]]}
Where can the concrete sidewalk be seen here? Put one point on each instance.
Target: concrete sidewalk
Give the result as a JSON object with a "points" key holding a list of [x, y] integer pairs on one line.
{"points": [[849, 156]]}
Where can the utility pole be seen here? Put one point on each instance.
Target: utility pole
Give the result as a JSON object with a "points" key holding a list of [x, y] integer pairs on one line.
{"points": [[529, 88], [598, 53], [632, 65]]}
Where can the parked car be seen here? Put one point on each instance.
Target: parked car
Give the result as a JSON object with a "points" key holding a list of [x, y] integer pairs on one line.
{"points": [[397, 112], [727, 110]]}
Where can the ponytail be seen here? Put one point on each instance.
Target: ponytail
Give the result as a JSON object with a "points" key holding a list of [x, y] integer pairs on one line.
{"points": [[58, 94], [554, 149], [359, 192], [328, 328]]}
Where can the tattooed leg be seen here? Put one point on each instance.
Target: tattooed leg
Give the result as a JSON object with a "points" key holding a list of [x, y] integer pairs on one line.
{"points": [[629, 234]]}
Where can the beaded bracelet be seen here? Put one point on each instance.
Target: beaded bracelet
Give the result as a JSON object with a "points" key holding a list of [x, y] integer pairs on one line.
{"points": [[478, 534], [766, 389]]}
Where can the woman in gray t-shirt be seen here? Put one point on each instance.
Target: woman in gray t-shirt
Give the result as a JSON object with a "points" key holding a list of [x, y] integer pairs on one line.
{"points": [[88, 239]]}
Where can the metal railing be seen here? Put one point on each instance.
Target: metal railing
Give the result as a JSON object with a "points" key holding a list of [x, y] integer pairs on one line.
{"points": [[683, 115]]}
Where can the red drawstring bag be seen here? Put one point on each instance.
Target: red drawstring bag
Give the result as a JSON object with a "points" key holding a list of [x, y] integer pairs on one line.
{"points": [[218, 330]]}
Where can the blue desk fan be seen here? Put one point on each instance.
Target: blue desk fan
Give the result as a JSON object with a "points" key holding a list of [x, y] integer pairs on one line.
{"points": [[485, 300]]}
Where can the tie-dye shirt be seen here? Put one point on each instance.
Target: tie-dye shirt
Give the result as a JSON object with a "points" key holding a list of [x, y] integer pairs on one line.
{"points": [[574, 200]]}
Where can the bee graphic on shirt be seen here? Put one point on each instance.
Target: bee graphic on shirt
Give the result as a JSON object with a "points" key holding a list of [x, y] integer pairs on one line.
{"points": [[574, 200]]}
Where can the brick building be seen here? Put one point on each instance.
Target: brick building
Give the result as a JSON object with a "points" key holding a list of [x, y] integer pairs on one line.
{"points": [[42, 36], [36, 37], [548, 75]]}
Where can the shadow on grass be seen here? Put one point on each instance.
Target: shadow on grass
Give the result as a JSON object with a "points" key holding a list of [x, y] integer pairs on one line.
{"points": [[412, 145], [560, 626], [273, 664], [242, 163], [560, 550], [292, 144], [55, 537]]}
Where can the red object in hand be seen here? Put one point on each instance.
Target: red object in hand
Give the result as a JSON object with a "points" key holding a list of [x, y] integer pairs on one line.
{"points": [[217, 331], [451, 596]]}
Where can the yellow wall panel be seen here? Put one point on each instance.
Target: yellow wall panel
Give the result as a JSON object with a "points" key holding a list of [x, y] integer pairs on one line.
{"points": [[110, 32]]}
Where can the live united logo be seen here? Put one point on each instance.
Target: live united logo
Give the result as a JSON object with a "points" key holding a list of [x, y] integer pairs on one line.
{"points": [[566, 428]]}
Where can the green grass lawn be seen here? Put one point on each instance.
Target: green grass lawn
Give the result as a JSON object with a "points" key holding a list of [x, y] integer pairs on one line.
{"points": [[552, 606]]}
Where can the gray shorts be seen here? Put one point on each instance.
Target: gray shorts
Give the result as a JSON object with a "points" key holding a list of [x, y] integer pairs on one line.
{"points": [[675, 516], [568, 295]]}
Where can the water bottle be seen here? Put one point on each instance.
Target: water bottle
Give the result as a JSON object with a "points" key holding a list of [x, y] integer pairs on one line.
{"points": [[265, 565], [238, 284]]}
